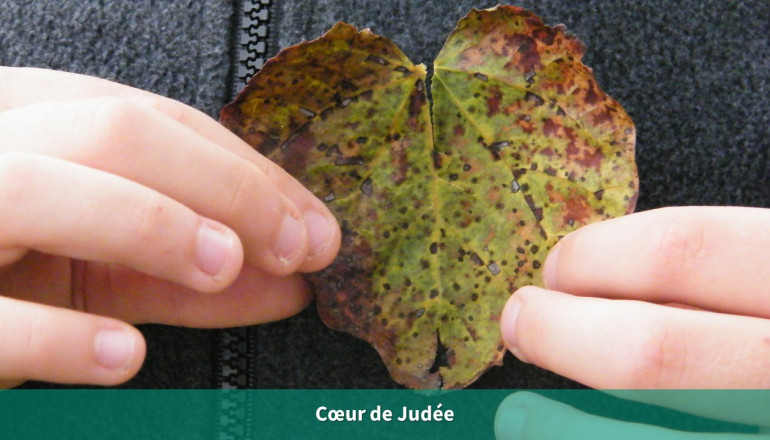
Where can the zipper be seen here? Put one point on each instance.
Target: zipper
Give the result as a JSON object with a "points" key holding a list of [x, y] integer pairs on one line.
{"points": [[253, 40]]}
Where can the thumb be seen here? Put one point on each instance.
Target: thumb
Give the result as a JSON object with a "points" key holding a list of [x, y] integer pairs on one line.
{"points": [[526, 415], [39, 342]]}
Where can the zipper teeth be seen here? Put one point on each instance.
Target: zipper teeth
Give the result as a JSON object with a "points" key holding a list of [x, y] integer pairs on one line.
{"points": [[251, 43]]}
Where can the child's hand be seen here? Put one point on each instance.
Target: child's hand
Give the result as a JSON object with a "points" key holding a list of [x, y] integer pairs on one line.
{"points": [[676, 297], [121, 203], [528, 416]]}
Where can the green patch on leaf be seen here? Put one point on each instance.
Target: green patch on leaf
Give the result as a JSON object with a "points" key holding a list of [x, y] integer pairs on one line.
{"points": [[443, 217]]}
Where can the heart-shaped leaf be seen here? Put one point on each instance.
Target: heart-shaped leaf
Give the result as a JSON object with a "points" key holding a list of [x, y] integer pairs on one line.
{"points": [[443, 217]]}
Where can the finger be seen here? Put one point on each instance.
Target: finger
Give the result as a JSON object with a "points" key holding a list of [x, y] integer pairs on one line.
{"points": [[39, 342], [748, 407], [630, 344], [253, 298], [66, 209], [10, 383], [170, 158], [324, 235], [528, 416], [52, 85], [323, 247], [693, 256]]}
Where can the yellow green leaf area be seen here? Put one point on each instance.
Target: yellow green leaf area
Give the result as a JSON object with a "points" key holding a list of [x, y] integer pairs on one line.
{"points": [[443, 217]]}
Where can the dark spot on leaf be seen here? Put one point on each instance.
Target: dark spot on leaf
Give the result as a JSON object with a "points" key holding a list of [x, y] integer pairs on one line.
{"points": [[550, 128], [345, 161], [481, 76], [529, 77], [434, 248], [346, 85], [344, 102], [536, 211], [529, 96], [378, 60], [366, 187], [334, 149], [307, 112]]}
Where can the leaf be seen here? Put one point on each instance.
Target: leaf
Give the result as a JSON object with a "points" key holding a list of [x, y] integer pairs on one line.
{"points": [[442, 218]]}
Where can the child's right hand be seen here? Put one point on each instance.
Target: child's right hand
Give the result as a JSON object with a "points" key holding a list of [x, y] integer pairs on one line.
{"points": [[118, 203]]}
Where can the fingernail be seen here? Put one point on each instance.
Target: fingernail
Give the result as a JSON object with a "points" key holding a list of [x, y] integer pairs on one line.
{"points": [[290, 239], [549, 268], [214, 249], [320, 231], [509, 423], [114, 349], [508, 322]]}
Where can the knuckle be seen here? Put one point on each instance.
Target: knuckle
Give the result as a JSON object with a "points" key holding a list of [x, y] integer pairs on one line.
{"points": [[241, 192], [676, 245], [174, 110], [106, 125], [657, 359], [34, 343], [271, 170], [151, 218]]}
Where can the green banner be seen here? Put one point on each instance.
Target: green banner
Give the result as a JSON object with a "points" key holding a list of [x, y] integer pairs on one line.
{"points": [[375, 414]]}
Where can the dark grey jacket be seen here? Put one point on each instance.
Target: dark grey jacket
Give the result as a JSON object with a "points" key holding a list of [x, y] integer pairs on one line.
{"points": [[693, 75]]}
